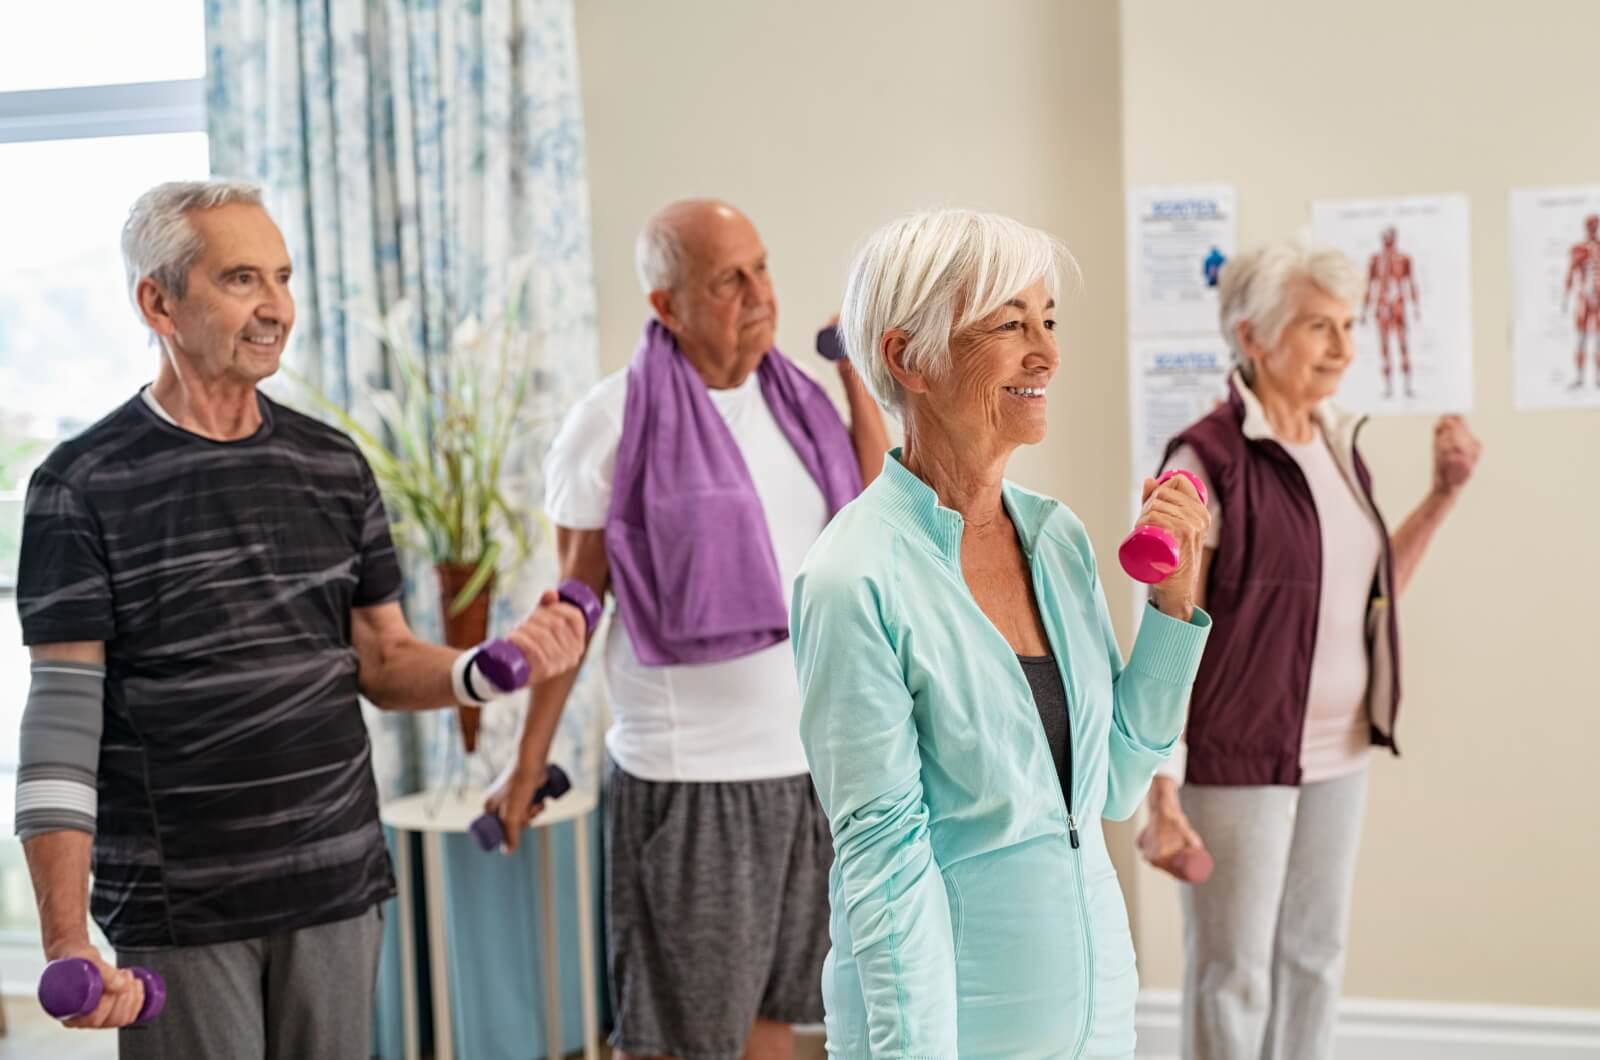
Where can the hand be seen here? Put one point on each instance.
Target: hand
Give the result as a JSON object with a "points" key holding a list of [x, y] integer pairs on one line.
{"points": [[551, 638], [123, 997], [510, 797], [1175, 506], [1166, 835], [1455, 455]]}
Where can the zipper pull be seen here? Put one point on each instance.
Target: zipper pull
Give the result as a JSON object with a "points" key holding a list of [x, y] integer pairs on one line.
{"points": [[1072, 830]]}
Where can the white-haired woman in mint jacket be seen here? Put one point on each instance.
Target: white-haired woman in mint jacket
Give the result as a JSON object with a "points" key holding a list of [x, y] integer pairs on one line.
{"points": [[968, 716]]}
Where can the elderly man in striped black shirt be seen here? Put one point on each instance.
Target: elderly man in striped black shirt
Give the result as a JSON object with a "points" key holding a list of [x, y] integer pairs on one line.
{"points": [[207, 582]]}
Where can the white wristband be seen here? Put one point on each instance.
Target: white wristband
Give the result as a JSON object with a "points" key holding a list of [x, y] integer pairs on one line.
{"points": [[460, 683]]}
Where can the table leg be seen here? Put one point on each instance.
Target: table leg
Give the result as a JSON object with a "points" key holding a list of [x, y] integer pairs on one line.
{"points": [[552, 958], [408, 945], [591, 1018], [438, 950]]}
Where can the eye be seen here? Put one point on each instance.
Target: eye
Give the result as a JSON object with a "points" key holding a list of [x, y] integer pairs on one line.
{"points": [[1009, 325], [1049, 323]]}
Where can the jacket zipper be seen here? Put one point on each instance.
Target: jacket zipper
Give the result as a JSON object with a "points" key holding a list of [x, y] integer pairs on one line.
{"points": [[1065, 798]]}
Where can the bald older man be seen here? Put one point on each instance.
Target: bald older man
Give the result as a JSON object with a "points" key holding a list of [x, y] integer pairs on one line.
{"points": [[691, 487]]}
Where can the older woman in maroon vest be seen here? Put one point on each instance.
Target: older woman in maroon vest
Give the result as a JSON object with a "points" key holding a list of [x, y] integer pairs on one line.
{"points": [[1301, 676]]}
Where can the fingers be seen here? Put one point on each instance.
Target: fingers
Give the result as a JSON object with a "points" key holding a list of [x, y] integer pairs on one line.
{"points": [[119, 1004]]}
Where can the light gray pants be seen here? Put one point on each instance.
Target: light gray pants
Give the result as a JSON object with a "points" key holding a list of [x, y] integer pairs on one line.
{"points": [[1264, 938], [302, 995]]}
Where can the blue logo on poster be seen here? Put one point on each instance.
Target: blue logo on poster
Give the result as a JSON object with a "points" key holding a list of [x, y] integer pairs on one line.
{"points": [[1213, 266]]}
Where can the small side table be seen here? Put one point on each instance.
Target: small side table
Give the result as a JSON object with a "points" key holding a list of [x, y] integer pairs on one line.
{"points": [[431, 815]]}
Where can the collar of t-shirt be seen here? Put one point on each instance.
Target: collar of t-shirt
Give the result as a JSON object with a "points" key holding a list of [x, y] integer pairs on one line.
{"points": [[148, 393]]}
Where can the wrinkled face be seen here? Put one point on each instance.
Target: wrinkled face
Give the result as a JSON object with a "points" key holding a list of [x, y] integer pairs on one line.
{"points": [[725, 307], [1000, 367], [1389, 236], [234, 319], [1317, 346]]}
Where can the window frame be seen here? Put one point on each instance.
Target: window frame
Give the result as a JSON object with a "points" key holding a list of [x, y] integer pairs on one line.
{"points": [[83, 113]]}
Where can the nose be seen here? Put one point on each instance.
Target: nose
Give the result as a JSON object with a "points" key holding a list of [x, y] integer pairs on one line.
{"points": [[1043, 353], [278, 305]]}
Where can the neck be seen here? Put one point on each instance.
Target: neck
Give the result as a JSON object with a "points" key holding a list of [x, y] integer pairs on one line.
{"points": [[720, 374], [221, 409], [965, 478], [1291, 419]]}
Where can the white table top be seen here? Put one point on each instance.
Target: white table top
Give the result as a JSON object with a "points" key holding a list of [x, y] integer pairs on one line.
{"points": [[453, 810]]}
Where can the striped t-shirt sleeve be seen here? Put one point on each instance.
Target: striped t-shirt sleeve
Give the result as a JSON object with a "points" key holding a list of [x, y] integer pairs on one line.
{"points": [[381, 580], [63, 581]]}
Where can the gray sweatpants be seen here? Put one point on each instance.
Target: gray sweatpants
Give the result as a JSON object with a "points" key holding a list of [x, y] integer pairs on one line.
{"points": [[301, 995], [1265, 935]]}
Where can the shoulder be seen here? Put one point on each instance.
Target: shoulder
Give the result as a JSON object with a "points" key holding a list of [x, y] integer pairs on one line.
{"points": [[1061, 529], [73, 462], [290, 426]]}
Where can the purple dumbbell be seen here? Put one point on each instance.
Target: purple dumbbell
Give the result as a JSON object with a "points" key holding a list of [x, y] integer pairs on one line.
{"points": [[504, 666], [490, 833], [1150, 554], [71, 987]]}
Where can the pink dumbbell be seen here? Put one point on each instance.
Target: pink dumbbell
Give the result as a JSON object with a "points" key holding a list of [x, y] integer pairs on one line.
{"points": [[1150, 554]]}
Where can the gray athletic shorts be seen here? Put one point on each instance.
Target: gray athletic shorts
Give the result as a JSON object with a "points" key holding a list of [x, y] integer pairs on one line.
{"points": [[716, 911]]}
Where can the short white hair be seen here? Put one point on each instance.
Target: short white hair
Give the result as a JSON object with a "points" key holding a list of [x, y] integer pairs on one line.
{"points": [[931, 275], [1253, 288], [158, 241], [659, 255]]}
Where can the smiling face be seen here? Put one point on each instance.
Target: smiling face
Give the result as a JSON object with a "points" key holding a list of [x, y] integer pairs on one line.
{"points": [[235, 315], [1309, 359], [994, 397]]}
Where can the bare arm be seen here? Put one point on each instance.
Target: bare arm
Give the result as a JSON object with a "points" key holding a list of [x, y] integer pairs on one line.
{"points": [[397, 670], [868, 433], [1455, 456], [582, 555]]}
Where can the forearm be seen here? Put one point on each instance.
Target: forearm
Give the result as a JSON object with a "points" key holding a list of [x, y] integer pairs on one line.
{"points": [[58, 862], [868, 433], [409, 674], [545, 707], [1412, 538]]}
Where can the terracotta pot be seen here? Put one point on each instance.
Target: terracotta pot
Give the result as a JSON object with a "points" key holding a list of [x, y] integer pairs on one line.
{"points": [[466, 630]]}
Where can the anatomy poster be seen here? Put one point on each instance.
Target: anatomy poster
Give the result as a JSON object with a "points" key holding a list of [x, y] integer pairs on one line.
{"points": [[1414, 317], [1179, 236], [1555, 292]]}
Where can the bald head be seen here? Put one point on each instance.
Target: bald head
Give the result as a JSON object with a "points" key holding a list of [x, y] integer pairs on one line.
{"points": [[704, 270], [679, 233]]}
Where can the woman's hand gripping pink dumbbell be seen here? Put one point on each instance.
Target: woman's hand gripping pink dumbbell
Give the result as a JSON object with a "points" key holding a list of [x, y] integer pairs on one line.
{"points": [[1151, 554]]}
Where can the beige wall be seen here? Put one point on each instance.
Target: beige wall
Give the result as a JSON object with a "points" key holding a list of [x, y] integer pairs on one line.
{"points": [[1480, 869]]}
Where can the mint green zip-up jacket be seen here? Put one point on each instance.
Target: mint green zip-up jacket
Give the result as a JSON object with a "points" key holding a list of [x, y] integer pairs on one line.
{"points": [[974, 912]]}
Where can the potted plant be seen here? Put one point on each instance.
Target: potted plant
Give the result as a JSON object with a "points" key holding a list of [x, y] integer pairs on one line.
{"points": [[440, 456]]}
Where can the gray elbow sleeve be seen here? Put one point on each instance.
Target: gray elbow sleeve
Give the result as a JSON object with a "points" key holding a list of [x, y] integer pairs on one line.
{"points": [[60, 748]]}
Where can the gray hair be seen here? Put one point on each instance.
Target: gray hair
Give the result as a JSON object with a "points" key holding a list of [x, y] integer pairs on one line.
{"points": [[1253, 288], [932, 275], [659, 256], [157, 239]]}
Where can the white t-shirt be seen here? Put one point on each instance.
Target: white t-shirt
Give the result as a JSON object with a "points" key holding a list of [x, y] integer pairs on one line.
{"points": [[1336, 737], [733, 720]]}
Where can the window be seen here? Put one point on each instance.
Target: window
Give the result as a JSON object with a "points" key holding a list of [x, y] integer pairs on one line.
{"points": [[87, 122]]}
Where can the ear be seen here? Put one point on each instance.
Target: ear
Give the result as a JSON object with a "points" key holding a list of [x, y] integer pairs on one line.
{"points": [[156, 305], [661, 301], [1254, 352], [892, 346]]}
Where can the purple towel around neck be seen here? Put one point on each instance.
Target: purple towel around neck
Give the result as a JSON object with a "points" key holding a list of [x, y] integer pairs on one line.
{"points": [[692, 563]]}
